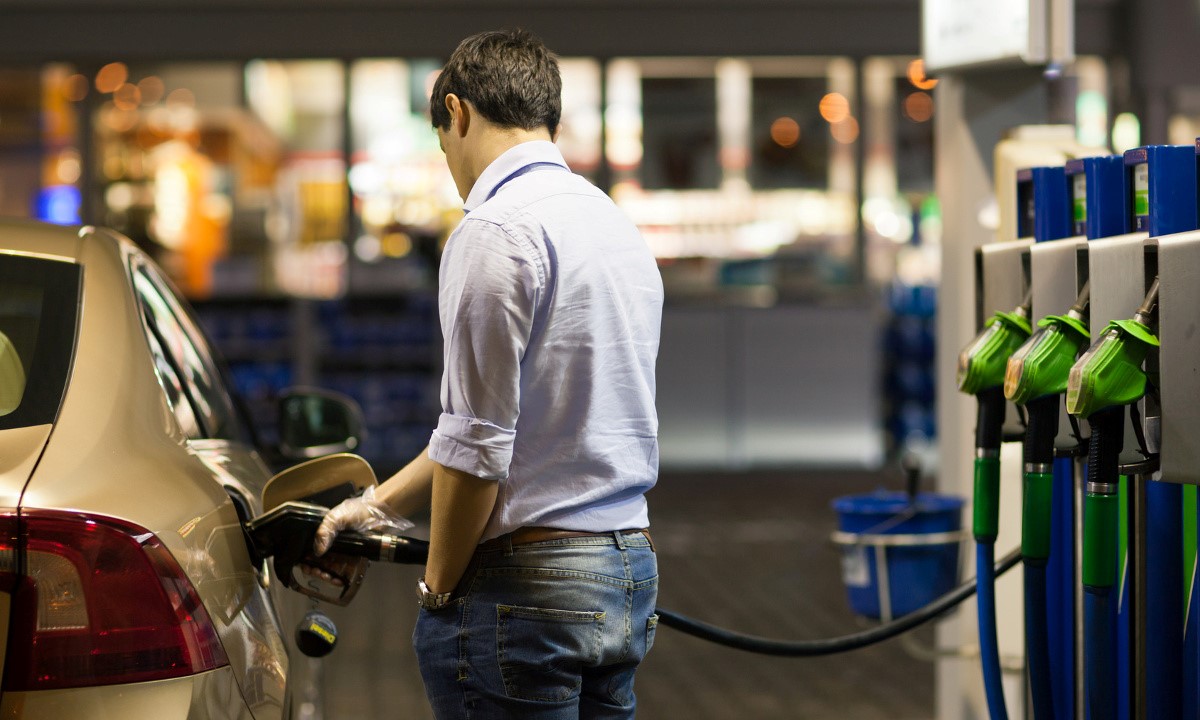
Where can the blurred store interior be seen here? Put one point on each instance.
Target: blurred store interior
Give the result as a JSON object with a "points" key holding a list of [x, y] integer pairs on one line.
{"points": [[276, 158], [278, 161]]}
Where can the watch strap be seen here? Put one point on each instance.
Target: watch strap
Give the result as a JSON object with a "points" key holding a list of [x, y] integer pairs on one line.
{"points": [[430, 600]]}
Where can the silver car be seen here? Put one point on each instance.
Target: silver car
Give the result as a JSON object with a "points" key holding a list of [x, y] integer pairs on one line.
{"points": [[128, 588]]}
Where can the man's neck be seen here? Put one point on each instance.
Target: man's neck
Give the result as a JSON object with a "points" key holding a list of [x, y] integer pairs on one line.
{"points": [[494, 142]]}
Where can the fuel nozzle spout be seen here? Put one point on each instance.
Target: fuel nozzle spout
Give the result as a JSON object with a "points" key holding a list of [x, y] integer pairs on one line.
{"points": [[1110, 372], [1041, 366], [1079, 310], [982, 363], [1147, 313]]}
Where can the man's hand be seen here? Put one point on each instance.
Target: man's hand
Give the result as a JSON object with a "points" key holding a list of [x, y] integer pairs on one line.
{"points": [[335, 569], [361, 514]]}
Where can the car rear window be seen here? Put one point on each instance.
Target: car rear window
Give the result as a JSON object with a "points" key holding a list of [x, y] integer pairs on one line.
{"points": [[39, 314]]}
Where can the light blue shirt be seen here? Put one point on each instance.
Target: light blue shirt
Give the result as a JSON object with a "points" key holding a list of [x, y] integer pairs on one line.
{"points": [[550, 304]]}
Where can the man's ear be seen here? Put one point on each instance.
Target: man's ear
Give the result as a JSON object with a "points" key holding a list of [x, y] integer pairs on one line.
{"points": [[460, 114]]}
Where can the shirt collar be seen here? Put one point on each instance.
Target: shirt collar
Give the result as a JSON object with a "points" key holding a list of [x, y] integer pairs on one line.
{"points": [[512, 160]]}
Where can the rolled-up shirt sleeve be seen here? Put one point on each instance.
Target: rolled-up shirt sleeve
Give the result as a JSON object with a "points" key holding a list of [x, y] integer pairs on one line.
{"points": [[488, 289]]}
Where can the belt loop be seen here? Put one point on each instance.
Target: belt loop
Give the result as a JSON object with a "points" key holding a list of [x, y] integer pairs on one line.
{"points": [[620, 539], [508, 544]]}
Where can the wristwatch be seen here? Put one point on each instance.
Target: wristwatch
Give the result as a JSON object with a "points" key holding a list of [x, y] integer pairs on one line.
{"points": [[429, 599]]}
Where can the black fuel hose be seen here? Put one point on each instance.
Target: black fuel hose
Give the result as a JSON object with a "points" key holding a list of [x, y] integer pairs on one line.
{"points": [[412, 551], [829, 646]]}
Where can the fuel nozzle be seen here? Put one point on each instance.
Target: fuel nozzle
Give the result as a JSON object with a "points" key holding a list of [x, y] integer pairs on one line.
{"points": [[982, 362], [1110, 372], [1042, 365]]}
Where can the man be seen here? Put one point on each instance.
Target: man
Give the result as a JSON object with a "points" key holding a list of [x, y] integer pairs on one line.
{"points": [[539, 592]]}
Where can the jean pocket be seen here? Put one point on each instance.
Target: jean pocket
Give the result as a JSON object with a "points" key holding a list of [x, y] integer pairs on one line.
{"points": [[542, 651], [651, 628]]}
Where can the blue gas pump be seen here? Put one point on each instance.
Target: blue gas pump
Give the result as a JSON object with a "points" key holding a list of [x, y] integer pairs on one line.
{"points": [[1191, 569], [1099, 197], [1100, 208], [1161, 196], [1045, 211], [1162, 181], [1044, 204]]}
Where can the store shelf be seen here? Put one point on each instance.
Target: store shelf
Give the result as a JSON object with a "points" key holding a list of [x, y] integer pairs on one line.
{"points": [[381, 350]]}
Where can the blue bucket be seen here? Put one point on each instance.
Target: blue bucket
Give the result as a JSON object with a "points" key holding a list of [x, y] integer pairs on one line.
{"points": [[919, 540]]}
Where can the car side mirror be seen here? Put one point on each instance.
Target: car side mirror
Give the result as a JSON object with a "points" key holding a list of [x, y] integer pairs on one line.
{"points": [[313, 423]]}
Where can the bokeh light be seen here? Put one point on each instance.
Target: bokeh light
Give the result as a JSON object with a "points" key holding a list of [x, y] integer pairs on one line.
{"points": [[119, 120], [396, 244], [152, 88], [834, 107], [918, 106], [111, 77], [68, 167], [1126, 132], [127, 97], [1091, 118], [785, 132], [181, 97], [75, 88], [916, 75], [846, 131]]}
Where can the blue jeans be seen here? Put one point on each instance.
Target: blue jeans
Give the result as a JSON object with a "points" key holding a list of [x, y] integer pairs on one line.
{"points": [[546, 631]]}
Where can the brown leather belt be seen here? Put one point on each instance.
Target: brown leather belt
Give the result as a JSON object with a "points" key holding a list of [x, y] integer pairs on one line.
{"points": [[527, 535]]}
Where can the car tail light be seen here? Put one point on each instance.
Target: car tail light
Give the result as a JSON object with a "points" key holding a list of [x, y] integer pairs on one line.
{"points": [[97, 601], [8, 551]]}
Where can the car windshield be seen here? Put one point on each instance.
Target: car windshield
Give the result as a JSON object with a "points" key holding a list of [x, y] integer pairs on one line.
{"points": [[39, 311]]}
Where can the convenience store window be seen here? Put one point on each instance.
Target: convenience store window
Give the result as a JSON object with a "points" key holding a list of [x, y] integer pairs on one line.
{"points": [[403, 194], [40, 164], [168, 161], [302, 103], [732, 171], [791, 140], [579, 137], [679, 133]]}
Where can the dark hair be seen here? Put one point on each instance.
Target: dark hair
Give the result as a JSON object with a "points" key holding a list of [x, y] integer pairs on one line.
{"points": [[508, 76]]}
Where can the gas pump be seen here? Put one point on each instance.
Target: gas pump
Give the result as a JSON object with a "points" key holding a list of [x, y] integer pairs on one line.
{"points": [[1106, 387], [1056, 203], [981, 367], [1177, 258], [1035, 378], [1098, 190]]}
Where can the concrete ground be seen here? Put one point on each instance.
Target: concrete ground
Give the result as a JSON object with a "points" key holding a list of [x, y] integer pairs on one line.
{"points": [[750, 552]]}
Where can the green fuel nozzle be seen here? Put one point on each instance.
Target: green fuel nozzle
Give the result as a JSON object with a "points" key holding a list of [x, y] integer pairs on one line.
{"points": [[981, 367], [982, 362], [1042, 364], [1110, 372]]}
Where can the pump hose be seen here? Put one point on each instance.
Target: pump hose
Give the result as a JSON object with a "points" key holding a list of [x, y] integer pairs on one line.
{"points": [[1100, 522], [1101, 666], [988, 431], [830, 646], [1037, 632], [989, 649], [1036, 517]]}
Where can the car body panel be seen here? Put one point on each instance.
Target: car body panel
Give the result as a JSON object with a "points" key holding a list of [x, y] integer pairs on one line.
{"points": [[19, 452], [41, 240], [117, 449], [209, 696], [5, 609]]}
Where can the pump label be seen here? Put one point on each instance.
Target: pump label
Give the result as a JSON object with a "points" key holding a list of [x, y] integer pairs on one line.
{"points": [[1141, 196], [1079, 204], [855, 571]]}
